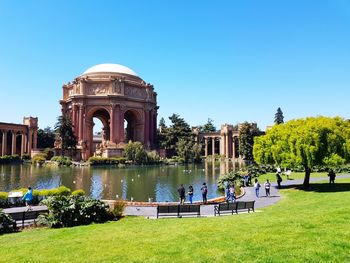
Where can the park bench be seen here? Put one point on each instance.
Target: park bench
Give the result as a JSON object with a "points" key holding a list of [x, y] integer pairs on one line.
{"points": [[26, 218], [233, 207], [178, 210]]}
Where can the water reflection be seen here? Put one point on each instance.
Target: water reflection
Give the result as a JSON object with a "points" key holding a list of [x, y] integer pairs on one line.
{"points": [[159, 183]]}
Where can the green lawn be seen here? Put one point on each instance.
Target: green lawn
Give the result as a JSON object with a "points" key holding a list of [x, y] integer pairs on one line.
{"points": [[293, 176], [312, 226]]}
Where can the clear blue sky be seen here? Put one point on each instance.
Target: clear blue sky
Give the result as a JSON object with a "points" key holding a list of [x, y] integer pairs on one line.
{"points": [[231, 61]]}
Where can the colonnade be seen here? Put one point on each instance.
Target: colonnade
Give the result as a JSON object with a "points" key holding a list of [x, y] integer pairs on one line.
{"points": [[222, 145], [17, 138]]}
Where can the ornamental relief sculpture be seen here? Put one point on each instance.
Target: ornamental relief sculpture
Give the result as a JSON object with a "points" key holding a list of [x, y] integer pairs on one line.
{"points": [[98, 89], [135, 92]]}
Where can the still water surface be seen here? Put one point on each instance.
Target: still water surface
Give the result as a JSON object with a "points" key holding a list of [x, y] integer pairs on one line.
{"points": [[160, 183]]}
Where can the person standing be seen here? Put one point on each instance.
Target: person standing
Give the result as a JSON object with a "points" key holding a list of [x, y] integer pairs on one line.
{"points": [[227, 193], [257, 188], [28, 198], [181, 192], [331, 175], [232, 193], [279, 179], [190, 193], [267, 187], [204, 190]]}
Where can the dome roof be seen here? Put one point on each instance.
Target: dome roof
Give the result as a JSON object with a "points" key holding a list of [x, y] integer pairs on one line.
{"points": [[110, 68]]}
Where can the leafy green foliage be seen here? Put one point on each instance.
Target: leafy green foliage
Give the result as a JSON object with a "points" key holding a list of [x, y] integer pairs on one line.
{"points": [[232, 178], [9, 159], [7, 224], [39, 159], [208, 127], [64, 128], [68, 211], [78, 192], [279, 118], [106, 161], [305, 142], [46, 138], [247, 132], [62, 160], [135, 152], [118, 208]]}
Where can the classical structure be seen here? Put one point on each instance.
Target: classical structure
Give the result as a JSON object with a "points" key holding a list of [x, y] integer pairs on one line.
{"points": [[115, 95], [19, 138], [223, 142]]}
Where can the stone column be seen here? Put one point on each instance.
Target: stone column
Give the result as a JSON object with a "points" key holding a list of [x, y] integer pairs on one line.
{"points": [[23, 144], [112, 126], [147, 128], [205, 147], [74, 118], [35, 139], [13, 150], [81, 122], [233, 148], [227, 147], [4, 143], [30, 141], [213, 146], [121, 124]]}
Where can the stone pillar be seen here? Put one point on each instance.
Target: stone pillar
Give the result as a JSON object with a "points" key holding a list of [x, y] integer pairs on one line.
{"points": [[35, 139], [147, 128], [23, 144], [13, 150], [227, 147], [81, 122], [205, 147], [74, 119], [233, 148], [4, 143], [121, 125], [30, 141], [112, 125], [213, 146]]}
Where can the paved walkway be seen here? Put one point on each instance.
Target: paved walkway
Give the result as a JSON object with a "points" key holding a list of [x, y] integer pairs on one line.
{"points": [[208, 210]]}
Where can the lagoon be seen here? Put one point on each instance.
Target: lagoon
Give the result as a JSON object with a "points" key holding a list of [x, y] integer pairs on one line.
{"points": [[140, 183]]}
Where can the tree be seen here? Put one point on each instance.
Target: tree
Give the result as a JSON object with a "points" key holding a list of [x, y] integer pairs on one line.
{"points": [[161, 132], [135, 152], [279, 116], [305, 142], [64, 128], [208, 127], [184, 150], [247, 132], [46, 138], [179, 129]]}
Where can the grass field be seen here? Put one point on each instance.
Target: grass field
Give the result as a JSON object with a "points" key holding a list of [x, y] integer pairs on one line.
{"points": [[305, 226], [293, 176]]}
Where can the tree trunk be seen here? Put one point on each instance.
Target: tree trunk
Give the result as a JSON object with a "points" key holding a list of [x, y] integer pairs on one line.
{"points": [[307, 177]]}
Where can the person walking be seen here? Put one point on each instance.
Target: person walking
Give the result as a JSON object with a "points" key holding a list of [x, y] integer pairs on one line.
{"points": [[279, 179], [190, 193], [257, 188], [204, 190], [267, 187], [227, 193], [181, 192], [28, 198], [331, 175], [232, 193]]}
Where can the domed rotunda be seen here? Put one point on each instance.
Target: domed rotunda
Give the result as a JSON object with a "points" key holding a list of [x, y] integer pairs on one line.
{"points": [[115, 95]]}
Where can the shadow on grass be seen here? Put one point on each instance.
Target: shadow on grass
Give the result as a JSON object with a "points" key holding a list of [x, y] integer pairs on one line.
{"points": [[322, 188]]}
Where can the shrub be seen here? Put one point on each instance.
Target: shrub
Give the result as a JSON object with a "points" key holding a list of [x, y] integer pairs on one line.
{"points": [[230, 178], [25, 157], [78, 192], [118, 208], [135, 152], [49, 153], [7, 224], [68, 211], [39, 159], [153, 157], [103, 161], [3, 200], [62, 160], [9, 159]]}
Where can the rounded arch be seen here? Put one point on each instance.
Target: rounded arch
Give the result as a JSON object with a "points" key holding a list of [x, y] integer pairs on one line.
{"points": [[133, 126]]}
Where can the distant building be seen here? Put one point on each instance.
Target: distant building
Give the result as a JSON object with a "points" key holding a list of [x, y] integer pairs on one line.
{"points": [[19, 138]]}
